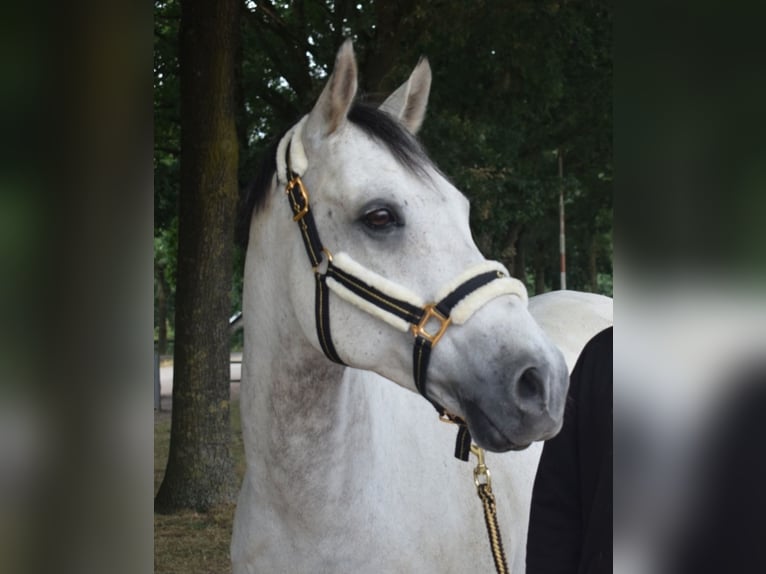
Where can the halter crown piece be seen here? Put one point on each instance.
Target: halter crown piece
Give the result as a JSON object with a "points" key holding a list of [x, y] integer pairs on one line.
{"points": [[390, 302]]}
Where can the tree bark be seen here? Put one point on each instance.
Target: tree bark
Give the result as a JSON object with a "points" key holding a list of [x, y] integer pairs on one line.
{"points": [[200, 472]]}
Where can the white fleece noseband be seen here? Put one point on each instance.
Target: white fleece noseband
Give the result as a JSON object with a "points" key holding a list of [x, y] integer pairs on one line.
{"points": [[460, 313]]}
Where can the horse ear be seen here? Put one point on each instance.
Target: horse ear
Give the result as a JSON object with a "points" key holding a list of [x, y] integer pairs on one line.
{"points": [[329, 113], [408, 103]]}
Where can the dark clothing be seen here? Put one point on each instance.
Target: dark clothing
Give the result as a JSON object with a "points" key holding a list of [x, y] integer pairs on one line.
{"points": [[724, 528], [570, 527]]}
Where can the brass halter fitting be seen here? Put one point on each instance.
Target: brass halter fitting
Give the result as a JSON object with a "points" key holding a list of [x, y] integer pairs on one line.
{"points": [[481, 473], [327, 259], [297, 182], [431, 312]]}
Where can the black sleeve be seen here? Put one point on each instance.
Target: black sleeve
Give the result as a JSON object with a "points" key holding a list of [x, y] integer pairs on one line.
{"points": [[571, 470]]}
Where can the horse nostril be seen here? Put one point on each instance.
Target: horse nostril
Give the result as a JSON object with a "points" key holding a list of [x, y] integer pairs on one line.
{"points": [[530, 385]]}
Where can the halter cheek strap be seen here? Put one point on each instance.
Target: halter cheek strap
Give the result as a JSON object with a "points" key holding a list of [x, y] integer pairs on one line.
{"points": [[399, 307]]}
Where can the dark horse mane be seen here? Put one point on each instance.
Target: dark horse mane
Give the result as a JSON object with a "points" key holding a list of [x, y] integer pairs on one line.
{"points": [[379, 125]]}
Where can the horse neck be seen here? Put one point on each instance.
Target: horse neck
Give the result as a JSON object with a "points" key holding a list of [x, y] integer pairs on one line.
{"points": [[301, 412]]}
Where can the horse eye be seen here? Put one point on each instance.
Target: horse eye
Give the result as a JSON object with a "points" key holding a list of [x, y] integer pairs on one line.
{"points": [[379, 218]]}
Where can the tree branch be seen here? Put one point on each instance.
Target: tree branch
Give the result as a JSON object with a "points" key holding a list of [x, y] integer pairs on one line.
{"points": [[297, 76]]}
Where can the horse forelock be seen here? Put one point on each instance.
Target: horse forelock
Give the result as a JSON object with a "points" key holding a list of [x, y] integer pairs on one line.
{"points": [[376, 124], [387, 131]]}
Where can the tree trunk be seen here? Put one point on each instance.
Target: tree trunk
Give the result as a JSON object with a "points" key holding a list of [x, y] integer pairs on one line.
{"points": [[511, 250], [540, 269], [520, 261], [200, 472], [240, 117], [540, 279], [387, 47]]}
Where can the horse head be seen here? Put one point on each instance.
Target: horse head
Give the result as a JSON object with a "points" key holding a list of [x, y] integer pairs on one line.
{"points": [[397, 226]]}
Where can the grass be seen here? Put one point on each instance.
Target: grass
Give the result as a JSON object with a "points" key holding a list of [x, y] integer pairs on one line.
{"points": [[190, 542]]}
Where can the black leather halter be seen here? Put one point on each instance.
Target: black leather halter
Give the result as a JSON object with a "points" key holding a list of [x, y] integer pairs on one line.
{"points": [[428, 323]]}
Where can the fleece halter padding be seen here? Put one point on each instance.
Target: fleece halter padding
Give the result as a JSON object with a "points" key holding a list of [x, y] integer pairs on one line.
{"points": [[291, 155], [395, 304], [462, 311]]}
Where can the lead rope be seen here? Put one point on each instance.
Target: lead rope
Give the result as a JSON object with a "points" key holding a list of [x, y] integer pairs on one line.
{"points": [[483, 481]]}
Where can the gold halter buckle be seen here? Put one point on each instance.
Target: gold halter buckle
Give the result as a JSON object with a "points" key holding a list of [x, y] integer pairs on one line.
{"points": [[304, 194], [419, 330]]}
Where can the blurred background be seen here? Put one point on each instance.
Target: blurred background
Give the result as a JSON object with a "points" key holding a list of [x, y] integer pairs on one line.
{"points": [[84, 251]]}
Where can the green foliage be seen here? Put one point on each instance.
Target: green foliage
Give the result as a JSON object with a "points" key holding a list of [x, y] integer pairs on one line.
{"points": [[167, 144], [515, 83], [520, 82]]}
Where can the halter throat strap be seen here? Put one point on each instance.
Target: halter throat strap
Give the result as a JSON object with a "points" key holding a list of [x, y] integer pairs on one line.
{"points": [[401, 308]]}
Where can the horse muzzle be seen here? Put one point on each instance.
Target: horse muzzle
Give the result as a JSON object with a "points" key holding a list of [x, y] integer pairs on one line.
{"points": [[513, 398]]}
